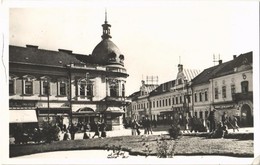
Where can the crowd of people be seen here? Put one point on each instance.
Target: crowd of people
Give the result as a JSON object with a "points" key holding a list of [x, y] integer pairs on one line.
{"points": [[192, 124]]}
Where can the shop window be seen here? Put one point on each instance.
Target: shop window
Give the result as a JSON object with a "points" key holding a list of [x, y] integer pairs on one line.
{"points": [[201, 114]]}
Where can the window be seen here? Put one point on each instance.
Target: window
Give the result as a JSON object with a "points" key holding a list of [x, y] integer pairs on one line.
{"points": [[82, 90], [114, 88], [195, 97], [28, 88], [28, 84], [173, 101], [224, 94], [206, 114], [201, 114], [154, 104], [206, 95], [180, 99], [216, 93], [176, 100], [157, 102], [163, 103], [196, 114], [62, 89], [11, 87], [169, 101], [45, 88], [166, 102], [160, 103], [179, 81], [85, 88], [123, 90], [244, 87], [233, 89], [200, 96]]}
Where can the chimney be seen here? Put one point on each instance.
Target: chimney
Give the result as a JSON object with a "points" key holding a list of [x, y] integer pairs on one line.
{"points": [[32, 46], [219, 62], [234, 56], [65, 51]]}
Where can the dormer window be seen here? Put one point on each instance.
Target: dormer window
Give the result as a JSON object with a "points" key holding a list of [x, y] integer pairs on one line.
{"points": [[112, 56], [122, 58]]}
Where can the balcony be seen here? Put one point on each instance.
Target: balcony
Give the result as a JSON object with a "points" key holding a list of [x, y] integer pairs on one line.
{"points": [[242, 96]]}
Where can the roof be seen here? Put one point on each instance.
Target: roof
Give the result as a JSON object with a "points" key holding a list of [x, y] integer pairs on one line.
{"points": [[31, 55], [104, 49], [190, 73], [163, 88], [222, 69]]}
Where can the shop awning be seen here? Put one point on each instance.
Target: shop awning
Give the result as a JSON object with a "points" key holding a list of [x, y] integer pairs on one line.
{"points": [[114, 110], [85, 111], [22, 116]]}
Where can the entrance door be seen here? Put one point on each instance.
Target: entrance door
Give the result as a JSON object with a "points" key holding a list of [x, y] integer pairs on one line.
{"points": [[246, 116]]}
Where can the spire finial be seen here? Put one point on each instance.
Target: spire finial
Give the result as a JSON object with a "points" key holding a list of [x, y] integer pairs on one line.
{"points": [[106, 15]]}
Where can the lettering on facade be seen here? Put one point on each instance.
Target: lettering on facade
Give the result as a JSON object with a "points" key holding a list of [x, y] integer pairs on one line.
{"points": [[224, 106]]}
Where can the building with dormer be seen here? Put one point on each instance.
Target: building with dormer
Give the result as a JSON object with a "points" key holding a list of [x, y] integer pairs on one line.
{"points": [[62, 86]]}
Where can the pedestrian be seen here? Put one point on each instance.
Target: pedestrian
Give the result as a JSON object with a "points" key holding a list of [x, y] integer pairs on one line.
{"points": [[186, 125], [224, 118], [67, 135], [102, 129], [72, 130], [96, 129], [149, 126], [235, 124], [135, 128], [212, 121]]}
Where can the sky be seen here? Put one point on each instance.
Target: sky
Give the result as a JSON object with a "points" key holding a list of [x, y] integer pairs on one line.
{"points": [[154, 36]]}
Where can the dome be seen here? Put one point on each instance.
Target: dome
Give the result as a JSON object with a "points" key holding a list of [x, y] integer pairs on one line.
{"points": [[106, 52]]}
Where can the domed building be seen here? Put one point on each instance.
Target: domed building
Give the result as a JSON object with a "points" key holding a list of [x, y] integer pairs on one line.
{"points": [[68, 88]]}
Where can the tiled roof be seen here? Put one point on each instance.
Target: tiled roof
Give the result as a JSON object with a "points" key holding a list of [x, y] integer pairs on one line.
{"points": [[41, 57], [246, 58], [222, 69]]}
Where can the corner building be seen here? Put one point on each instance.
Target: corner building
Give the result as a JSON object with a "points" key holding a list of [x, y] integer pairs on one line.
{"points": [[64, 87]]}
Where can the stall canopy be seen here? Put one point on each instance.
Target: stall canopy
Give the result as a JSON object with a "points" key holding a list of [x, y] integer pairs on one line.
{"points": [[114, 110], [22, 116], [85, 111]]}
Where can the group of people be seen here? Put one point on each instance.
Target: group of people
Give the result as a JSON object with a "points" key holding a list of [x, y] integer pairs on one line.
{"points": [[146, 123], [221, 129], [99, 129]]}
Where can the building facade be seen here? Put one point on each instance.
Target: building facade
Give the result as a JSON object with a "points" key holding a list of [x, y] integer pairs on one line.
{"points": [[226, 87], [61, 86]]}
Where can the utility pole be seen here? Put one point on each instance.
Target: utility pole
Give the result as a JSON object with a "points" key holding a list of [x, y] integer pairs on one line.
{"points": [[48, 101]]}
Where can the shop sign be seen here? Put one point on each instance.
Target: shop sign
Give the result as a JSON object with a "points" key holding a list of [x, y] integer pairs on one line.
{"points": [[224, 106]]}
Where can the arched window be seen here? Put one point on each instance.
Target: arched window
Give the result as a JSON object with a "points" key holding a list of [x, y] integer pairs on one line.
{"points": [[85, 88]]}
